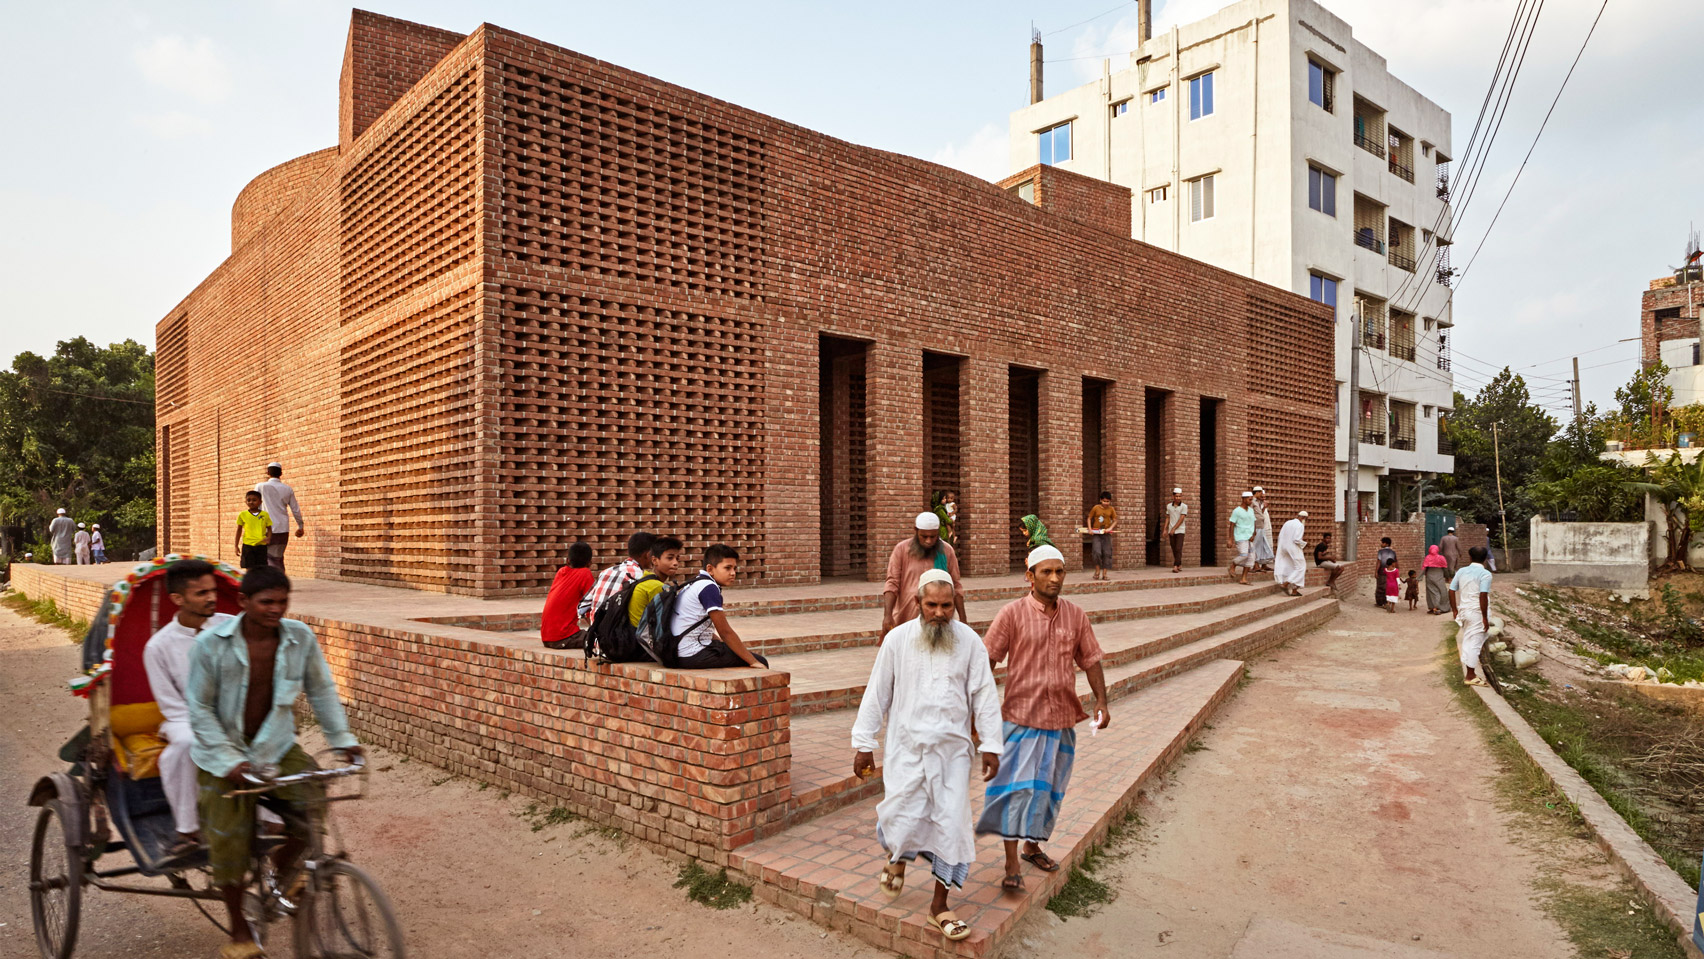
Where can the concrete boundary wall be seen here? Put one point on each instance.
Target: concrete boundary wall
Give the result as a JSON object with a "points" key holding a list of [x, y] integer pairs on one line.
{"points": [[1597, 555]]}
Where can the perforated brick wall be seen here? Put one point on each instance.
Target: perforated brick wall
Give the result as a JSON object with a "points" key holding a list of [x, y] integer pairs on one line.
{"points": [[539, 298]]}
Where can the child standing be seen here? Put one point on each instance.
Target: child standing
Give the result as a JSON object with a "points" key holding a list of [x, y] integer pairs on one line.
{"points": [[1412, 593], [97, 542], [1392, 584], [1103, 519], [254, 531]]}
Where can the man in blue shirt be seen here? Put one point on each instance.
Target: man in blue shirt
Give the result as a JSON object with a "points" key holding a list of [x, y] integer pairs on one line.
{"points": [[244, 677], [1242, 533], [1470, 602]]}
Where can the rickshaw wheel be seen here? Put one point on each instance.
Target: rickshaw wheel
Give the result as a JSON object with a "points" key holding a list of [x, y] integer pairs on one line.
{"points": [[56, 883], [345, 915]]}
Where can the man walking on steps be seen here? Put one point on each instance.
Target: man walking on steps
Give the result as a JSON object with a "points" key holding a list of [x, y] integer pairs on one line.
{"points": [[1047, 640], [918, 553], [1243, 532], [932, 682], [1175, 523]]}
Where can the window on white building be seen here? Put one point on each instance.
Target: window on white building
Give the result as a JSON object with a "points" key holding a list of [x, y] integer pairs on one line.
{"points": [[1323, 289], [1201, 198], [1054, 144], [1159, 194], [1157, 95], [1322, 191], [1121, 108], [1322, 83], [1201, 96]]}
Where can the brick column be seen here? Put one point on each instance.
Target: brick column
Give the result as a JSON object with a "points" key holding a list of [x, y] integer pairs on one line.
{"points": [[1126, 459], [984, 496], [1061, 407], [893, 394]]}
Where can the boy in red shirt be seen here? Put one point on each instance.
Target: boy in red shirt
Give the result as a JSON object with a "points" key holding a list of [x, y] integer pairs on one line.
{"points": [[562, 606]]}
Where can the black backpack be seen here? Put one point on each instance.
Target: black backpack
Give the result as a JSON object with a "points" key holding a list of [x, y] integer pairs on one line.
{"points": [[655, 637], [611, 638]]}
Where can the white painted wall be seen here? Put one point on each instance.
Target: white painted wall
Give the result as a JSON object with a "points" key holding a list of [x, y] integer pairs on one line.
{"points": [[1258, 144], [1599, 555]]}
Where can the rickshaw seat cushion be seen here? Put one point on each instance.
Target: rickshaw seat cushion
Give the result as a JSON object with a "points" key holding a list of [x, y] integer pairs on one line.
{"points": [[136, 733]]}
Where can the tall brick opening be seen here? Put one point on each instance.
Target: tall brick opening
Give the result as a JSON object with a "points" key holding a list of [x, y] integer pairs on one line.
{"points": [[843, 504], [1206, 525], [1097, 475], [1023, 438], [1155, 492], [941, 422]]}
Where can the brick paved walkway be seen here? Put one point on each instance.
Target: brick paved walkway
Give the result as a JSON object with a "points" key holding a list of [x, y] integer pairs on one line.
{"points": [[826, 868]]}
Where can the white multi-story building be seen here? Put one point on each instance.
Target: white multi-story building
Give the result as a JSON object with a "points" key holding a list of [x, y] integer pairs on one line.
{"points": [[1266, 140]]}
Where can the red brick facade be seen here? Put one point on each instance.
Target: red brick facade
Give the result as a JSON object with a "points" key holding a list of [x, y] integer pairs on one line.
{"points": [[535, 297], [1669, 310]]}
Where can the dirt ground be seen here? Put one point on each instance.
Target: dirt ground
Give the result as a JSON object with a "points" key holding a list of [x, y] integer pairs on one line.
{"points": [[467, 873], [1343, 797]]}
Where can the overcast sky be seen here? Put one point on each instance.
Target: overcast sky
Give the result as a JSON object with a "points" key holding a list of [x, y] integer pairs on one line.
{"points": [[133, 127]]}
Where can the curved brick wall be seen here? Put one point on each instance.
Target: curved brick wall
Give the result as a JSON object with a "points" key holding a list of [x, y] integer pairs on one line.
{"points": [[274, 190]]}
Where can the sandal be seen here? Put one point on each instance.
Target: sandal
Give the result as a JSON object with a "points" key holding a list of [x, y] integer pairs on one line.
{"points": [[951, 926], [1040, 860], [1013, 883], [1476, 681], [241, 950], [892, 883]]}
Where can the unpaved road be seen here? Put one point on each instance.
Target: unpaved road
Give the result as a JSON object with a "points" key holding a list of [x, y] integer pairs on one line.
{"points": [[1342, 790], [469, 877]]}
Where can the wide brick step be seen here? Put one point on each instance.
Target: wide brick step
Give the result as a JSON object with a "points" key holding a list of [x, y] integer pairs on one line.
{"points": [[826, 869], [812, 632], [834, 678], [831, 597], [822, 777]]}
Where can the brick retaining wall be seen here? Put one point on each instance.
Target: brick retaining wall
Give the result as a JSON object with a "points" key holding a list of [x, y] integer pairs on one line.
{"points": [[75, 597]]}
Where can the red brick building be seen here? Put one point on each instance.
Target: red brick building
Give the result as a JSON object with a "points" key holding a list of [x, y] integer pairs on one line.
{"points": [[530, 296], [1668, 310]]}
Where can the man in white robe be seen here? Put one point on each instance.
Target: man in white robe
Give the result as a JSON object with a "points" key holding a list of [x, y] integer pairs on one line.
{"points": [[932, 680], [1290, 566], [1470, 602]]}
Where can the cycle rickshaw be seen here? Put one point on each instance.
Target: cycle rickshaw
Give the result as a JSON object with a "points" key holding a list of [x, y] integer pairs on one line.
{"points": [[113, 784]]}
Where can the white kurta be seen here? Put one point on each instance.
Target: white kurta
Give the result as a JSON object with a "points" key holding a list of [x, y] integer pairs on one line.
{"points": [[1290, 564], [166, 658], [929, 701]]}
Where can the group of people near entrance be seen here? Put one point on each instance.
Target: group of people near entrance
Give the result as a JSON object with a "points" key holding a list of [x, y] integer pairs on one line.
{"points": [[74, 542], [227, 688], [933, 688]]}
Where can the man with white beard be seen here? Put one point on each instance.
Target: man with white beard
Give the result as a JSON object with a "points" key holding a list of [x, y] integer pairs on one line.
{"points": [[932, 680]]}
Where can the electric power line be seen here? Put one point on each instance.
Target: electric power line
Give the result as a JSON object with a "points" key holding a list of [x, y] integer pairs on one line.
{"points": [[1122, 6]]}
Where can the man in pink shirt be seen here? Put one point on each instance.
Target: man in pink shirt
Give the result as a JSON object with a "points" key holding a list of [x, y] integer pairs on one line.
{"points": [[1047, 639], [911, 558]]}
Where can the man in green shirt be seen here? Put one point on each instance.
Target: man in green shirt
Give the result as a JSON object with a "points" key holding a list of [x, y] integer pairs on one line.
{"points": [[1242, 533]]}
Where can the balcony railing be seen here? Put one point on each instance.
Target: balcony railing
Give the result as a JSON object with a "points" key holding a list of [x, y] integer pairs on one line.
{"points": [[1407, 173], [1401, 261], [1365, 238], [1444, 360], [1373, 437], [1444, 275], [1402, 443], [1446, 447], [1403, 351], [1370, 145], [1444, 187]]}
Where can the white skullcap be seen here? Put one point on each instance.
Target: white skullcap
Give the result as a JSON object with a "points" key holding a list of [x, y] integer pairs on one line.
{"points": [[97, 526], [1042, 554], [60, 511], [1301, 514], [933, 576], [1177, 489], [1260, 489], [1450, 530], [928, 521], [275, 465], [1246, 494], [79, 525]]}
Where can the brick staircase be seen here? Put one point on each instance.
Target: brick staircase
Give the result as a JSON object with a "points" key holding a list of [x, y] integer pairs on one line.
{"points": [[1173, 652]]}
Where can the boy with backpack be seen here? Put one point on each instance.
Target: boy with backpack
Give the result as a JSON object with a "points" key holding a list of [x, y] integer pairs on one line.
{"points": [[703, 637], [665, 562], [618, 577]]}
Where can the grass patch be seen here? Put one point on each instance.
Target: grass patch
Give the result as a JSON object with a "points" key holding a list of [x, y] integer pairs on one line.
{"points": [[713, 889], [1604, 922], [540, 818], [1083, 894], [48, 613]]}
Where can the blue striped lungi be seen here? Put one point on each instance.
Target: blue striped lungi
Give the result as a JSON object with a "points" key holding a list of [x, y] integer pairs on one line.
{"points": [[951, 874], [1023, 800]]}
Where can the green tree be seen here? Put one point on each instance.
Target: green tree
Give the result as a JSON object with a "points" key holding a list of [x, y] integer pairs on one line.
{"points": [[1523, 435], [77, 431], [1644, 419], [1679, 487]]}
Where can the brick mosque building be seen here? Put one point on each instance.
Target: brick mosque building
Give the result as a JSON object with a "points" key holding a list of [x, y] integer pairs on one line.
{"points": [[531, 297]]}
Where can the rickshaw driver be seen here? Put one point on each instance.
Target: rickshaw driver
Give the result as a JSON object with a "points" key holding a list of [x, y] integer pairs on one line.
{"points": [[244, 677]]}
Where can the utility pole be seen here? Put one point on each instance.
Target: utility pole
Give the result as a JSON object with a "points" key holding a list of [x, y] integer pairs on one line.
{"points": [[1502, 514], [1352, 512], [1576, 390]]}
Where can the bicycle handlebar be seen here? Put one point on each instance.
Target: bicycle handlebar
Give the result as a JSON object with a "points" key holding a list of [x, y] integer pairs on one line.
{"points": [[263, 783]]}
